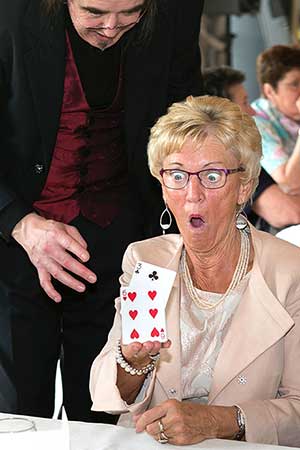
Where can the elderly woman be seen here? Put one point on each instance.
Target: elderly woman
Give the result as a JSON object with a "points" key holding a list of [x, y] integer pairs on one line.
{"points": [[278, 114], [231, 367]]}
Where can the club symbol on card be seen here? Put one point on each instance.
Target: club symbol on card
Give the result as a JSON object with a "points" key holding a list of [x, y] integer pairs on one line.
{"points": [[154, 332], [132, 296], [153, 312], [162, 333], [151, 294], [133, 313], [153, 275], [138, 268], [124, 295]]}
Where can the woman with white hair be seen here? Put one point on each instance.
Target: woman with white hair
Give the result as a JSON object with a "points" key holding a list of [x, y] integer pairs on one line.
{"points": [[231, 367]]}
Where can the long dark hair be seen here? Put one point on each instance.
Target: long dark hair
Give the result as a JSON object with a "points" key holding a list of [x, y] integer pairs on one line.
{"points": [[52, 7]]}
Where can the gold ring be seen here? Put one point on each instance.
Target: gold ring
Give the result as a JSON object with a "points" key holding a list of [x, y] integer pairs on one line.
{"points": [[163, 438], [161, 427]]}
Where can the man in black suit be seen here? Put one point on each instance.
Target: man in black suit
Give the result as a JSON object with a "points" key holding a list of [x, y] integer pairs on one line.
{"points": [[81, 83], [271, 209]]}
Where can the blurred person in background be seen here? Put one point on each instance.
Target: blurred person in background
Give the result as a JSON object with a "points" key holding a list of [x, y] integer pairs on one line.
{"points": [[278, 114]]}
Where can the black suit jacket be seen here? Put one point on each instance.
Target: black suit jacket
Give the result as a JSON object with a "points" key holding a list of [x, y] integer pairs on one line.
{"points": [[32, 64]]}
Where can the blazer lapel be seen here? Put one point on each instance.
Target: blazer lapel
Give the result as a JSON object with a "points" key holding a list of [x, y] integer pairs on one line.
{"points": [[259, 322], [170, 364], [44, 60]]}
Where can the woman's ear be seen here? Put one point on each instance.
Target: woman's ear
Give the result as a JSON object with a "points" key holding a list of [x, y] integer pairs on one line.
{"points": [[245, 192]]}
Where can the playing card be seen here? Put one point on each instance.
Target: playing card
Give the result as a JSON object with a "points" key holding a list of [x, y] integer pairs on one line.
{"points": [[157, 280], [143, 303], [143, 316]]}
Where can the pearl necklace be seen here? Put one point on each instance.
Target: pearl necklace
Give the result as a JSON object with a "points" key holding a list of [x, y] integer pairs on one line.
{"points": [[239, 273]]}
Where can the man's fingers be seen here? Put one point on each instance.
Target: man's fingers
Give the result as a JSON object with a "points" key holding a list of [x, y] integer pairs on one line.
{"points": [[46, 284], [66, 241], [66, 261], [76, 235]]}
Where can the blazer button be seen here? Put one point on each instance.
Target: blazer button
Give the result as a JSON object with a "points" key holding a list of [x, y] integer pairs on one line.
{"points": [[172, 391], [38, 168]]}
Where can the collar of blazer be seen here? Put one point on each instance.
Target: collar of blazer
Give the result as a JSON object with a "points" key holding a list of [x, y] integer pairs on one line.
{"points": [[259, 321]]}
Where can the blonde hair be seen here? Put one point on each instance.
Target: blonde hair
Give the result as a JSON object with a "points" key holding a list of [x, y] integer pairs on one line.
{"points": [[196, 118]]}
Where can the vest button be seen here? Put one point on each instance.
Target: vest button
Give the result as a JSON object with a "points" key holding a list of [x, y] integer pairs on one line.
{"points": [[83, 171], [85, 152], [38, 168], [90, 121]]}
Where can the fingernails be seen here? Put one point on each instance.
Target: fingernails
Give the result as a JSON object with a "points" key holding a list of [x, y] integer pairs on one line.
{"points": [[84, 257], [80, 288], [92, 278]]}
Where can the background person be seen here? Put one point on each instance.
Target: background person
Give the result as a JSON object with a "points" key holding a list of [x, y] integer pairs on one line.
{"points": [[271, 209], [232, 312], [81, 82], [278, 114]]}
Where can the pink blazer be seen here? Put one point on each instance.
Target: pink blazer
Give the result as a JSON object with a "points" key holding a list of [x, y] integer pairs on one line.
{"points": [[258, 367]]}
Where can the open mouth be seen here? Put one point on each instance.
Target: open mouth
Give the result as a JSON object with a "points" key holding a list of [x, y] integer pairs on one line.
{"points": [[196, 221]]}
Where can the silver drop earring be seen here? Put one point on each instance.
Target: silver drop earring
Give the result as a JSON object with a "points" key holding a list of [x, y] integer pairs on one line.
{"points": [[241, 222], [165, 226]]}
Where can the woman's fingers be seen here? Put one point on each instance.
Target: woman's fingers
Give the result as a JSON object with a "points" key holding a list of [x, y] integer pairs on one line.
{"points": [[140, 352]]}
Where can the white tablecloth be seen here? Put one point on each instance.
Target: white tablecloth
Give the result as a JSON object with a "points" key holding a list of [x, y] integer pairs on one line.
{"points": [[88, 436]]}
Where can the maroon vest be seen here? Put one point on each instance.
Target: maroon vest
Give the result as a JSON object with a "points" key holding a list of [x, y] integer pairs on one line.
{"points": [[88, 172]]}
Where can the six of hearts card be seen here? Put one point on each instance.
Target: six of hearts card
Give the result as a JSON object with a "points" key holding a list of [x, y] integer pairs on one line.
{"points": [[143, 303]]}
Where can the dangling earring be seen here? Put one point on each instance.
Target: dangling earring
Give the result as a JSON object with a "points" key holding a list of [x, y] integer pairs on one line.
{"points": [[165, 226], [241, 221]]}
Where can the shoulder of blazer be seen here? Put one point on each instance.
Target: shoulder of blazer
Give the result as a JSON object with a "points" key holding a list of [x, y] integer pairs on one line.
{"points": [[163, 251]]}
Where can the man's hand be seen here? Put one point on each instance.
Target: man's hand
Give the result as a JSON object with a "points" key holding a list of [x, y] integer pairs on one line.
{"points": [[53, 248]]}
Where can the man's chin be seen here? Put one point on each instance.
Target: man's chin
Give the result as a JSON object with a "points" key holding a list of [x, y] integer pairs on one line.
{"points": [[97, 41]]}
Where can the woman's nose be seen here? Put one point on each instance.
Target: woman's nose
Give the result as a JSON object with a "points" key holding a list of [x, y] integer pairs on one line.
{"points": [[195, 190]]}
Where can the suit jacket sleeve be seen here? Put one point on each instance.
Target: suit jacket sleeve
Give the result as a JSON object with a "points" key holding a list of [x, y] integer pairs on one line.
{"points": [[186, 78], [12, 207]]}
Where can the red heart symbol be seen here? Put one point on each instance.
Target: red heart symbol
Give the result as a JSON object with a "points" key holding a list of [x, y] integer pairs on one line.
{"points": [[152, 294], [133, 313], [132, 295], [154, 332], [153, 312], [134, 334]]}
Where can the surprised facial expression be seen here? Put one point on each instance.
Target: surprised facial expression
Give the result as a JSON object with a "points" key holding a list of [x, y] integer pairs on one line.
{"points": [[204, 215]]}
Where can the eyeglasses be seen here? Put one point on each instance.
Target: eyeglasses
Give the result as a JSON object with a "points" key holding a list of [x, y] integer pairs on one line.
{"points": [[209, 178], [124, 21]]}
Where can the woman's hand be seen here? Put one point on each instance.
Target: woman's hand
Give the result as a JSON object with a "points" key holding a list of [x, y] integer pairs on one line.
{"points": [[55, 249], [186, 423], [137, 354]]}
